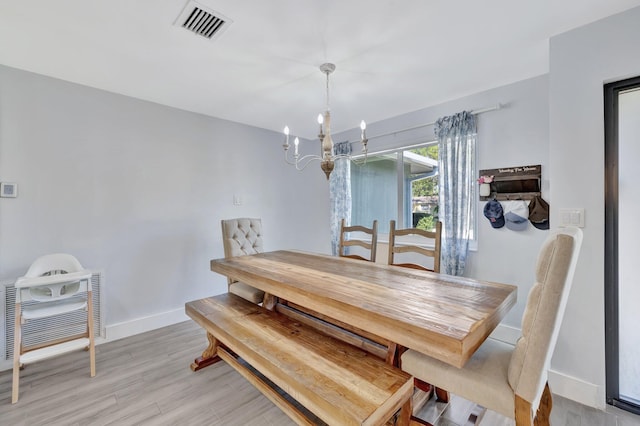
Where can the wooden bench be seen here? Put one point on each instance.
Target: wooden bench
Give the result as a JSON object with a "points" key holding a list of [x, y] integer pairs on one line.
{"points": [[339, 383]]}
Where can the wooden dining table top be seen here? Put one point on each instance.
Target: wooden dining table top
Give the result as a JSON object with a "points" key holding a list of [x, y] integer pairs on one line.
{"points": [[443, 316]]}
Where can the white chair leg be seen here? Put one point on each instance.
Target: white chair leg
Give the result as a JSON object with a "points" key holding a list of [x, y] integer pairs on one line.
{"points": [[92, 347], [17, 348]]}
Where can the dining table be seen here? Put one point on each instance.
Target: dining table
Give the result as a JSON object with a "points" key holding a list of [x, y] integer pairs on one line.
{"points": [[443, 316]]}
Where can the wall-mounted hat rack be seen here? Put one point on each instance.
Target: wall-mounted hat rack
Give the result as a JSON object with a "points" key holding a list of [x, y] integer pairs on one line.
{"points": [[512, 183]]}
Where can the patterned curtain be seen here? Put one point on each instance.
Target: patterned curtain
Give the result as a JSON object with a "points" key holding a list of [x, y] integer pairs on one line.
{"points": [[340, 193], [456, 150]]}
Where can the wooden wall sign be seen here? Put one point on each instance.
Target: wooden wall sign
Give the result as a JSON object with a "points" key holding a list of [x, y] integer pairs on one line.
{"points": [[512, 183]]}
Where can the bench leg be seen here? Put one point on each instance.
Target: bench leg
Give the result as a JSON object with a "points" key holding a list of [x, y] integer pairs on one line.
{"points": [[209, 356]]}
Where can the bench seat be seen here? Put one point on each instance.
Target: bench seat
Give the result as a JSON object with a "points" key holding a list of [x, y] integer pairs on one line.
{"points": [[339, 383]]}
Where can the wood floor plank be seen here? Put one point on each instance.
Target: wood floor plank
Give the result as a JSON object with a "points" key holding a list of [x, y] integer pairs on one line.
{"points": [[146, 380]]}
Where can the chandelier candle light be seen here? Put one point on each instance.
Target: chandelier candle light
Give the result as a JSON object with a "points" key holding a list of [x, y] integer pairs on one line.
{"points": [[327, 156]]}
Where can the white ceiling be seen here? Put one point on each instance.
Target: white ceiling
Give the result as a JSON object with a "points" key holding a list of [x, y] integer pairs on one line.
{"points": [[391, 56]]}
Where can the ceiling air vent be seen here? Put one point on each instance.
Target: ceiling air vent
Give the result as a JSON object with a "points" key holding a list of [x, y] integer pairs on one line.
{"points": [[202, 21]]}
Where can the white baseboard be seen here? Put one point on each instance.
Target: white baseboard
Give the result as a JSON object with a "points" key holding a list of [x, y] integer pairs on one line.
{"points": [[129, 328], [506, 334], [6, 364], [144, 324], [577, 390]]}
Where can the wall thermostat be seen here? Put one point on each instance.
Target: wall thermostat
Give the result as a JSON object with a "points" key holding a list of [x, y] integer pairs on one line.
{"points": [[8, 190]]}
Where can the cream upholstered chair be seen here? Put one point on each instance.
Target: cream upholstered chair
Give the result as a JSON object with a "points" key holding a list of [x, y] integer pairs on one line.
{"points": [[513, 380], [54, 284], [367, 245], [395, 248], [240, 237]]}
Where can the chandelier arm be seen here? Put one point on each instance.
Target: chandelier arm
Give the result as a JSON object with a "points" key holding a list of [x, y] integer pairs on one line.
{"points": [[305, 161], [310, 157], [306, 158], [287, 160]]}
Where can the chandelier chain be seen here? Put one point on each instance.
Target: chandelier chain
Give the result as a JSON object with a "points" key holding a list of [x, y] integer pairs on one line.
{"points": [[327, 91]]}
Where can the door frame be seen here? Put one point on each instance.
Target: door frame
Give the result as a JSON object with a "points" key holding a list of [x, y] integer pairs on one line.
{"points": [[611, 150]]}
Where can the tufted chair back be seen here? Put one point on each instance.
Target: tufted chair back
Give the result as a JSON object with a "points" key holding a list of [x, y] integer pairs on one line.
{"points": [[527, 373], [240, 237]]}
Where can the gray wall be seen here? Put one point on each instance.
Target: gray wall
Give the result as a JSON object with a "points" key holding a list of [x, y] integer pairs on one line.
{"points": [[138, 190], [581, 62]]}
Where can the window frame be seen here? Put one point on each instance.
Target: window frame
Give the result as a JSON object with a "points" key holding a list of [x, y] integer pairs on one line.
{"points": [[400, 204]]}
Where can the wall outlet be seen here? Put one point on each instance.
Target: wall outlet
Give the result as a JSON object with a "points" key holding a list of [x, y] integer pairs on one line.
{"points": [[237, 200]]}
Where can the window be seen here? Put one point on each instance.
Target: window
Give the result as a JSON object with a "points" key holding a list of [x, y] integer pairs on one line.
{"points": [[399, 184]]}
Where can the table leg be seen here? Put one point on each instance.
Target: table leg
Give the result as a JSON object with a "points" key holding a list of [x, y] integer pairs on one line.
{"points": [[405, 414], [269, 301], [415, 421], [392, 350], [442, 395], [421, 396], [209, 355]]}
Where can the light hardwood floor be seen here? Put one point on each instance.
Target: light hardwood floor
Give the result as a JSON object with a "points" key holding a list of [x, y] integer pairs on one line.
{"points": [[146, 380]]}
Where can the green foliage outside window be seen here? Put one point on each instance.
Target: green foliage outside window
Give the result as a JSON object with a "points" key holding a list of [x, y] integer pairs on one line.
{"points": [[426, 188], [427, 223]]}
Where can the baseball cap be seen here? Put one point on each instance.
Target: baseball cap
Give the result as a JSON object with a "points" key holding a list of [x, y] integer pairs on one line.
{"points": [[493, 211], [516, 216], [539, 213]]}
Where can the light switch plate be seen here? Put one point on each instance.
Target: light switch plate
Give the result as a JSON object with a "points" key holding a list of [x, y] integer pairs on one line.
{"points": [[572, 217]]}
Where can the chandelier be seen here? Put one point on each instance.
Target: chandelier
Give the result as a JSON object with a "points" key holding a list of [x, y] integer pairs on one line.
{"points": [[327, 156]]}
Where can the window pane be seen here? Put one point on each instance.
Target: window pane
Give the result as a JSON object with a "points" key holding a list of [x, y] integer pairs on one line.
{"points": [[374, 189], [421, 187]]}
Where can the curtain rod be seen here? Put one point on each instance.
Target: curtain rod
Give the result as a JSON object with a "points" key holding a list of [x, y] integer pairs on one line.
{"points": [[474, 112]]}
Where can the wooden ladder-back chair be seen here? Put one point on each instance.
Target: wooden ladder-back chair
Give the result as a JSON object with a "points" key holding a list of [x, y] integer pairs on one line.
{"points": [[366, 245], [427, 236], [54, 284], [241, 237], [513, 380]]}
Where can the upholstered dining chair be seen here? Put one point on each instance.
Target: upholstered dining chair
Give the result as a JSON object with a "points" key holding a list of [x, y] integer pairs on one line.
{"points": [[369, 246], [240, 237], [54, 284], [507, 379], [423, 236]]}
